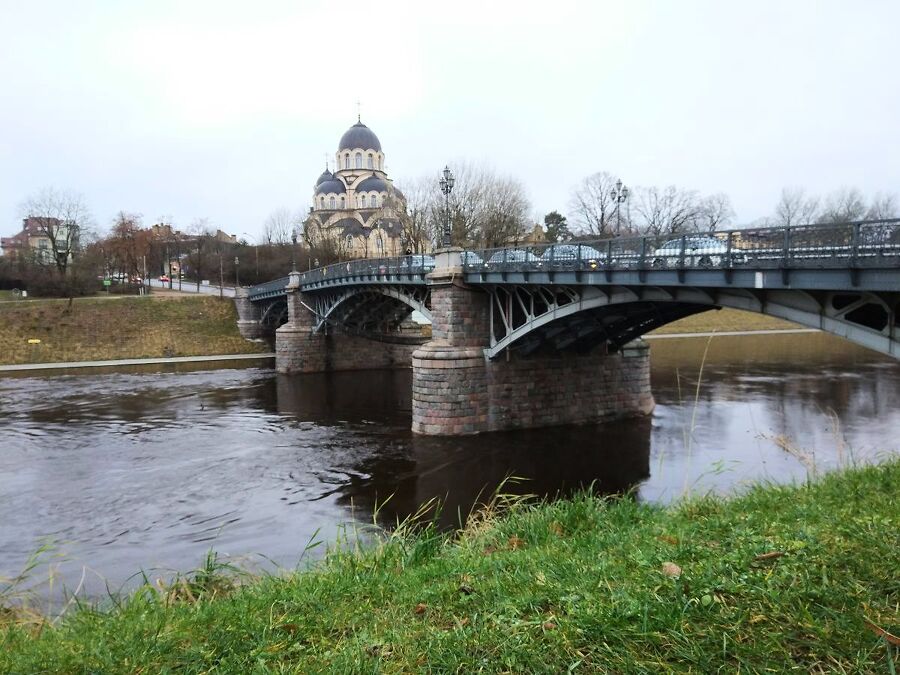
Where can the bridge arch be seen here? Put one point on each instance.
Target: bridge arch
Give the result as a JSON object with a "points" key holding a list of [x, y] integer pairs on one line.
{"points": [[369, 308], [529, 317]]}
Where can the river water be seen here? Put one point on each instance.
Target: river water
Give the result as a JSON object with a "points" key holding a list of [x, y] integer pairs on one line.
{"points": [[147, 470]]}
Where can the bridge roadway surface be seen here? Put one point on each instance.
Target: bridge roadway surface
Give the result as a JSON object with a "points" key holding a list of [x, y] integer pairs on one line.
{"points": [[842, 278]]}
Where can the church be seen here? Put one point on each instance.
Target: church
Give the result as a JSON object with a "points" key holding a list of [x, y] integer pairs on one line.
{"points": [[356, 210]]}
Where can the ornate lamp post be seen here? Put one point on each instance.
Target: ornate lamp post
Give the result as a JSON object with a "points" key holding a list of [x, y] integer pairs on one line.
{"points": [[619, 194], [447, 182], [237, 275], [293, 250]]}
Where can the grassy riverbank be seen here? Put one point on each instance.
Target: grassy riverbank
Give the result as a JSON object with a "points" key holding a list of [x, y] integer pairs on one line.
{"points": [[119, 328], [781, 578], [725, 320]]}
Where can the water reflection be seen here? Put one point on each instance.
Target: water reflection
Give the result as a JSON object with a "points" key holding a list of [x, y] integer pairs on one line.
{"points": [[149, 468]]}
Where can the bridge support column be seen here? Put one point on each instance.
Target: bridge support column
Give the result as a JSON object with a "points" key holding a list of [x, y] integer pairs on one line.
{"points": [[457, 391], [297, 348], [249, 325]]}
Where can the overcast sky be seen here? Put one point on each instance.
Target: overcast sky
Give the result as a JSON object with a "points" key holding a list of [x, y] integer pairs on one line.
{"points": [[226, 110]]}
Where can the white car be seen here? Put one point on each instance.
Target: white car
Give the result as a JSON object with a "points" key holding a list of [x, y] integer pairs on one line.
{"points": [[470, 259], [698, 252]]}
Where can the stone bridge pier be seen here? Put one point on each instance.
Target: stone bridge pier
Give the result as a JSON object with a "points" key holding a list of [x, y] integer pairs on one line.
{"points": [[300, 348], [249, 319], [457, 391]]}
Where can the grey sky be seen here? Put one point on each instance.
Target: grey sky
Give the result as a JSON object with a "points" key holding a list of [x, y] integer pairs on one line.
{"points": [[226, 110]]}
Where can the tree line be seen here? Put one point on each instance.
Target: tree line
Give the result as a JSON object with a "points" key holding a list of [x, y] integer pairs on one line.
{"points": [[485, 209]]}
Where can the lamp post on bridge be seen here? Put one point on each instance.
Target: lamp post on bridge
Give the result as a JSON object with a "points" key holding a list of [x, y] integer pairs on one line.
{"points": [[237, 276], [293, 250], [447, 181], [619, 194]]}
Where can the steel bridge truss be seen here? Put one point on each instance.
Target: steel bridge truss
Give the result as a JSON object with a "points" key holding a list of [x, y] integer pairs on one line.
{"points": [[368, 309], [531, 317]]}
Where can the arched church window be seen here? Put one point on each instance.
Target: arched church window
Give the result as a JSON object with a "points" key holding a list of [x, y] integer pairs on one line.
{"points": [[349, 241], [371, 162], [331, 202], [358, 160], [342, 202], [347, 161], [374, 201], [379, 244], [322, 203], [362, 201]]}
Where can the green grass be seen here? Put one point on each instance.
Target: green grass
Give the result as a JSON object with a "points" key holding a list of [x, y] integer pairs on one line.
{"points": [[119, 328], [780, 579]]}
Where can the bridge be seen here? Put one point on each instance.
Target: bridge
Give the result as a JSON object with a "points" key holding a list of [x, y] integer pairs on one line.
{"points": [[518, 332]]}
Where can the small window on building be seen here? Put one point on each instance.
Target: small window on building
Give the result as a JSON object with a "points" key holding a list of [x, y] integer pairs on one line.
{"points": [[362, 202], [331, 202], [349, 241], [358, 160], [322, 202], [342, 202], [374, 201], [347, 161], [379, 245], [371, 163]]}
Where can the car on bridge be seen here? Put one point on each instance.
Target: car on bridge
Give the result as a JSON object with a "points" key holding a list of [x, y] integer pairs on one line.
{"points": [[471, 259], [695, 251], [515, 256], [572, 256]]}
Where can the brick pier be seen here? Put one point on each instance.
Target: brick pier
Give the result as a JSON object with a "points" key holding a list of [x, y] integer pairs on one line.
{"points": [[457, 391], [299, 350]]}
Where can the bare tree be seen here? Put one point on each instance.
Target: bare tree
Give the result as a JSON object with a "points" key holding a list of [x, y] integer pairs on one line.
{"points": [[667, 210], [504, 212], [794, 207], [593, 205], [845, 204], [413, 207], [715, 211], [61, 217], [279, 226], [202, 235], [882, 207]]}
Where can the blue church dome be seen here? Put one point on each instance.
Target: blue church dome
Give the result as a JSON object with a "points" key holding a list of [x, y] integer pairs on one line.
{"points": [[359, 136]]}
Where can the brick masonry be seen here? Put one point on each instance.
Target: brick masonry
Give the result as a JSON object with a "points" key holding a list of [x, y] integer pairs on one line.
{"points": [[457, 391], [249, 325], [299, 350]]}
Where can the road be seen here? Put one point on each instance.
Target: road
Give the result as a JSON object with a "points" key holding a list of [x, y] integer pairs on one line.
{"points": [[191, 287]]}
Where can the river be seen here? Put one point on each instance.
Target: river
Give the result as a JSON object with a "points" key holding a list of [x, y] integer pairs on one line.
{"points": [[147, 468]]}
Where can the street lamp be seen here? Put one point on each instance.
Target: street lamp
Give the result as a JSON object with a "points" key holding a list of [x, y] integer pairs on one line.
{"points": [[619, 194], [447, 181], [293, 250], [237, 275]]}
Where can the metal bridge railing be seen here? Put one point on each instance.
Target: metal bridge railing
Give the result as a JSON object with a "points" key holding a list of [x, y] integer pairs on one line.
{"points": [[872, 243], [859, 244], [366, 267]]}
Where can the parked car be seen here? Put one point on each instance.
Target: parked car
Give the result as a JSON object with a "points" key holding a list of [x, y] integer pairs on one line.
{"points": [[698, 252], [512, 255], [419, 260], [470, 259], [572, 256], [165, 278]]}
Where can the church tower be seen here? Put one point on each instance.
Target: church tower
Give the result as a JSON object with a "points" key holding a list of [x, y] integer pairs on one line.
{"points": [[357, 209]]}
